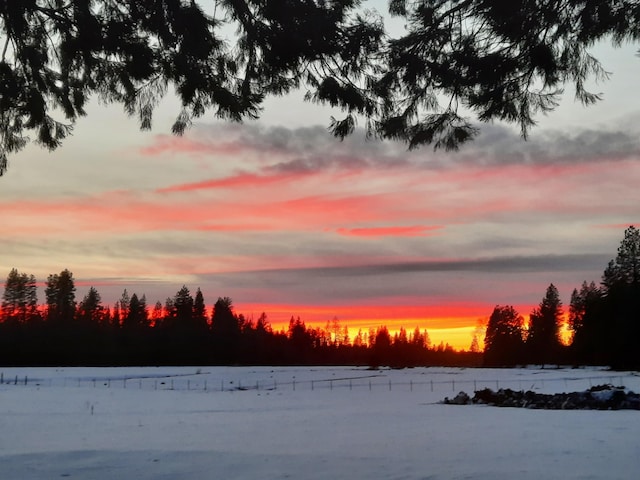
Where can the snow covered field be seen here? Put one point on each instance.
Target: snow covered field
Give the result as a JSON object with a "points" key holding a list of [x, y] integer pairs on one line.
{"points": [[304, 423]]}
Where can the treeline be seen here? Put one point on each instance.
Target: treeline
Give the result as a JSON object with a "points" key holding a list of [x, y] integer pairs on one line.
{"points": [[604, 321], [183, 332]]}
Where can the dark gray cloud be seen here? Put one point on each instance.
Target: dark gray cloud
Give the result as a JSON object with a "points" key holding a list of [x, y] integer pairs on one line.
{"points": [[310, 149], [515, 264], [499, 145]]}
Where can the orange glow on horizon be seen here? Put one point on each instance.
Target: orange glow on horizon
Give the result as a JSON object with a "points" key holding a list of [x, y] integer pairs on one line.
{"points": [[450, 324], [453, 324]]}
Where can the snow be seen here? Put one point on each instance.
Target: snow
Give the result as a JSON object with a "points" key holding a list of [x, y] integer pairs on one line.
{"points": [[304, 423]]}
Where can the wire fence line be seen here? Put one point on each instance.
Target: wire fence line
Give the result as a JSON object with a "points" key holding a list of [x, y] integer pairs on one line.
{"points": [[372, 383]]}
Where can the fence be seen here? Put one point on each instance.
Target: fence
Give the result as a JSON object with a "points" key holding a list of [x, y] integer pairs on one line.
{"points": [[205, 382]]}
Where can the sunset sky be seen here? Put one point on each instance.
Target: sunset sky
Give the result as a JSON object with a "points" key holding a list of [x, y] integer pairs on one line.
{"points": [[282, 218]]}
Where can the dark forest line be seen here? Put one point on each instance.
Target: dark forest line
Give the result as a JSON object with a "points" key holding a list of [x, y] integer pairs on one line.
{"points": [[604, 321], [181, 332]]}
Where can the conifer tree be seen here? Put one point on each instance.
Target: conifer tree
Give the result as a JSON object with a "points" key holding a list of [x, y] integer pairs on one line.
{"points": [[504, 337], [625, 269], [19, 299], [543, 339], [90, 308], [60, 296], [199, 313]]}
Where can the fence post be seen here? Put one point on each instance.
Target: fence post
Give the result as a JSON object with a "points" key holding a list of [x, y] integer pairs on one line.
{"points": [[411, 385], [432, 385], [369, 385], [257, 385], [312, 385], [16, 382], [94, 383], [25, 379], [205, 385], [389, 384]]}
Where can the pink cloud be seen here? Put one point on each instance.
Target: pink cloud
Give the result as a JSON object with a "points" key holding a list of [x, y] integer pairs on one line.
{"points": [[411, 201], [170, 144], [411, 231], [241, 180]]}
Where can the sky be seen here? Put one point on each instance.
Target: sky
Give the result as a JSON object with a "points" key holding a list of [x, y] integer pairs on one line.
{"points": [[282, 218]]}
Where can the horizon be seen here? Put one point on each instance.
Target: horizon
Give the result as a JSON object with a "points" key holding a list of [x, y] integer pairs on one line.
{"points": [[451, 325]]}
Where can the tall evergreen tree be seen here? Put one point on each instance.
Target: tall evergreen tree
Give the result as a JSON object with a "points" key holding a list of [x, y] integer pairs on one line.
{"points": [[183, 307], [199, 314], [581, 302], [124, 302], [504, 337], [543, 339], [225, 330], [19, 299], [90, 308], [620, 311], [138, 315], [60, 296], [625, 269], [224, 323]]}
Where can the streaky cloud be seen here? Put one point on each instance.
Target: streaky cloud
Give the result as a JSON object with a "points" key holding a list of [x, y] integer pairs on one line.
{"points": [[240, 180], [408, 231], [514, 264], [311, 149]]}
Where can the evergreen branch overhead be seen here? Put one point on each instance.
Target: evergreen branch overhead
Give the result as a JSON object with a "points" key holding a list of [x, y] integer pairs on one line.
{"points": [[458, 62]]}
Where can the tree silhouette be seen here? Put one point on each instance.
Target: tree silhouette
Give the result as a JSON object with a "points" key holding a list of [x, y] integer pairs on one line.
{"points": [[225, 329], [60, 295], [620, 309], [581, 302], [138, 315], [625, 269], [499, 60], [19, 299], [90, 309], [504, 337], [157, 314], [183, 308], [543, 338], [199, 313]]}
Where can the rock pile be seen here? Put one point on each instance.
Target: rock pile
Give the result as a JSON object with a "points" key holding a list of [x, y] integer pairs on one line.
{"points": [[601, 397]]}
